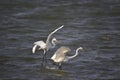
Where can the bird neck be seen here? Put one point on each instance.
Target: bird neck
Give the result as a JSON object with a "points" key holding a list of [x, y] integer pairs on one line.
{"points": [[70, 57], [53, 44]]}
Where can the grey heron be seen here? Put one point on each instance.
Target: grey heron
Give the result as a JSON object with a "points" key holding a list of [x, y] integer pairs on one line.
{"points": [[45, 46], [60, 55]]}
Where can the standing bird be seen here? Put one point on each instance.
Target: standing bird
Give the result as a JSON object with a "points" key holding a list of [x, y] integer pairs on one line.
{"points": [[60, 55], [45, 46]]}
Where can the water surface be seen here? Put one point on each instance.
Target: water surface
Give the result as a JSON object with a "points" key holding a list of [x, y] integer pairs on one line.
{"points": [[92, 24]]}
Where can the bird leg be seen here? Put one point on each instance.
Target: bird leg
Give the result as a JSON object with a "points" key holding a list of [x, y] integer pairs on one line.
{"points": [[44, 59], [60, 66]]}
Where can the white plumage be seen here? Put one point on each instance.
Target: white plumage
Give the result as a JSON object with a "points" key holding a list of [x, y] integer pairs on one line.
{"points": [[61, 55], [41, 44], [45, 46]]}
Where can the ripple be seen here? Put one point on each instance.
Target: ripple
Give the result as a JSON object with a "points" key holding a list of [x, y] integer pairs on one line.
{"points": [[94, 25]]}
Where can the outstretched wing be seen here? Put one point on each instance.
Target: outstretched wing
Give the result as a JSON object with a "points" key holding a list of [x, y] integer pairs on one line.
{"points": [[48, 38]]}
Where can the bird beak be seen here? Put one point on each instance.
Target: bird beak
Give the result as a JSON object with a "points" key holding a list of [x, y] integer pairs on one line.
{"points": [[34, 48], [84, 49], [58, 41]]}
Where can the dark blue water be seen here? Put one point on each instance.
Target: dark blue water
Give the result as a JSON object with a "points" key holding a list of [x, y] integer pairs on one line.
{"points": [[92, 24]]}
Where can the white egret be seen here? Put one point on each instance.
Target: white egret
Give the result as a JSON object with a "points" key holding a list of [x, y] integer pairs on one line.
{"points": [[45, 46], [61, 55]]}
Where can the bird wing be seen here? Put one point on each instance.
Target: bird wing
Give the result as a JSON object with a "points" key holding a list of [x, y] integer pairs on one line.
{"points": [[58, 57], [48, 38], [40, 43], [60, 54], [34, 48]]}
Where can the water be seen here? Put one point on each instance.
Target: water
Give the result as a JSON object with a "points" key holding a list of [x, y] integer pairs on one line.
{"points": [[92, 24]]}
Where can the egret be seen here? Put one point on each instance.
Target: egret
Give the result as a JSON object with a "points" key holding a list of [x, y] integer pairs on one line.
{"points": [[60, 55], [45, 46]]}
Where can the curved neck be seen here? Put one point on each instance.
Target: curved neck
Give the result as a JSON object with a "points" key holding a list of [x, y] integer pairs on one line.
{"points": [[53, 44], [70, 57]]}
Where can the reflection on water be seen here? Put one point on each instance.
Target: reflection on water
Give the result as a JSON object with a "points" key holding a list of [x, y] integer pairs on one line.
{"points": [[93, 24]]}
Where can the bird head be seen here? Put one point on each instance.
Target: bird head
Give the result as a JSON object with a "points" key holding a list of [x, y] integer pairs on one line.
{"points": [[81, 48], [56, 40]]}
